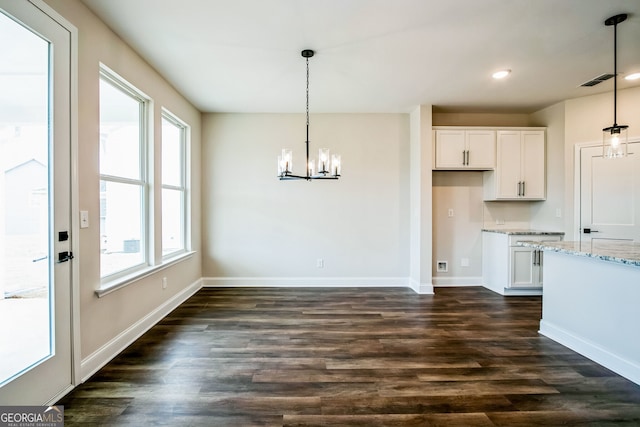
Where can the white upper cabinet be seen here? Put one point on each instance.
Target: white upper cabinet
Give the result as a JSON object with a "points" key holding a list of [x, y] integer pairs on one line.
{"points": [[465, 149], [520, 167]]}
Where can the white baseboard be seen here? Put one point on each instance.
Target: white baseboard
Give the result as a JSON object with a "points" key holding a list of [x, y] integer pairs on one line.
{"points": [[305, 282], [92, 363], [421, 288], [457, 281], [617, 364]]}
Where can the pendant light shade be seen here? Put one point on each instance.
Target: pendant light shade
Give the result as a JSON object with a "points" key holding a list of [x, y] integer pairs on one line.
{"points": [[614, 138], [328, 166]]}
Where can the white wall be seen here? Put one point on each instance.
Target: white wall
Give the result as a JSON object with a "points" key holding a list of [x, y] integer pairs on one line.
{"points": [[258, 228], [544, 214], [102, 320], [420, 195], [459, 236]]}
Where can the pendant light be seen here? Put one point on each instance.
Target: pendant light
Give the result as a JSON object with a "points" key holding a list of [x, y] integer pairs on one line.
{"points": [[328, 166], [614, 138]]}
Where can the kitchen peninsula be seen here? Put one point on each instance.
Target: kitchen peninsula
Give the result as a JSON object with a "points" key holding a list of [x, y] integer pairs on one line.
{"points": [[591, 300]]}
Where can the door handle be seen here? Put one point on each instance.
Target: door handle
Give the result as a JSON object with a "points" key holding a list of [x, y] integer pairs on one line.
{"points": [[589, 231], [64, 256]]}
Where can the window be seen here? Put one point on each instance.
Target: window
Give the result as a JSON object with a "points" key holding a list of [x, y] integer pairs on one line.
{"points": [[174, 189], [124, 207]]}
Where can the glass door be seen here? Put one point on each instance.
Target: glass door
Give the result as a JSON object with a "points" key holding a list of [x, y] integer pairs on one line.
{"points": [[35, 249]]}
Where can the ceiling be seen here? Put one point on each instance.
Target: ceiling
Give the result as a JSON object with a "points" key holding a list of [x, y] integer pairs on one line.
{"points": [[378, 55]]}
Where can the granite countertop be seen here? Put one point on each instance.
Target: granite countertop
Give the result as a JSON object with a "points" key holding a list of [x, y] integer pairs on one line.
{"points": [[524, 231], [623, 252]]}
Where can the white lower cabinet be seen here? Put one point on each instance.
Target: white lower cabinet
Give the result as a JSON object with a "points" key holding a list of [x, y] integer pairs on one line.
{"points": [[510, 269], [525, 267]]}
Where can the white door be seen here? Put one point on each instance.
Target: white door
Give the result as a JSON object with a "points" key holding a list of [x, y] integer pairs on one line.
{"points": [[35, 168], [609, 195]]}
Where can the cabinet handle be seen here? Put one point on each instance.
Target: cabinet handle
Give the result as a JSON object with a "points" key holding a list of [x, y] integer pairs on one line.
{"points": [[522, 188], [464, 157], [468, 157], [519, 186]]}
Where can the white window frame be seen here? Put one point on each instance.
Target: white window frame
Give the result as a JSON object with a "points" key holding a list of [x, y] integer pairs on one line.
{"points": [[146, 107], [185, 138]]}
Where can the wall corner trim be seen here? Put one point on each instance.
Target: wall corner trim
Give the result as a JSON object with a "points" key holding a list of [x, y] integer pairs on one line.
{"points": [[421, 288]]}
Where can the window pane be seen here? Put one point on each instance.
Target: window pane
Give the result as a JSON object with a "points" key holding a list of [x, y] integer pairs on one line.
{"points": [[172, 143], [120, 127], [121, 243], [26, 285], [172, 224]]}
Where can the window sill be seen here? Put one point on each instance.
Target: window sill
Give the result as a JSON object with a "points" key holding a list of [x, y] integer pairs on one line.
{"points": [[121, 282]]}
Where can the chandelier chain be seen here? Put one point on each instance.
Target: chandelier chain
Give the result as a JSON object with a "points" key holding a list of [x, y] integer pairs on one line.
{"points": [[307, 92]]}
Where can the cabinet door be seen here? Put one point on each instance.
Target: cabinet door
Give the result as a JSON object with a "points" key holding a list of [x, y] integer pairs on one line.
{"points": [[481, 146], [521, 272], [450, 147], [533, 164], [508, 167]]}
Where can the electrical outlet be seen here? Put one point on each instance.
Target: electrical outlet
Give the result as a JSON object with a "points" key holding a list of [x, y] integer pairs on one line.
{"points": [[464, 262], [164, 283], [558, 213], [450, 213], [320, 263], [499, 221], [442, 266]]}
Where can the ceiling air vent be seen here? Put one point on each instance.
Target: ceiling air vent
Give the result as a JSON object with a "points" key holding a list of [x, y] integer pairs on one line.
{"points": [[597, 80]]}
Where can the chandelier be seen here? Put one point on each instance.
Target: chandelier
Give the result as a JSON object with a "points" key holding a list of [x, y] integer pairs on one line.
{"points": [[614, 138], [328, 166]]}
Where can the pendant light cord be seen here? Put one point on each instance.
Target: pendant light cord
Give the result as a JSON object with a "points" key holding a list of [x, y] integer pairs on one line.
{"points": [[615, 73], [307, 141]]}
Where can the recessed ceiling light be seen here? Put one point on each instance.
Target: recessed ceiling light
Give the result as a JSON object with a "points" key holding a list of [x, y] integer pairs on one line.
{"points": [[634, 76], [501, 74]]}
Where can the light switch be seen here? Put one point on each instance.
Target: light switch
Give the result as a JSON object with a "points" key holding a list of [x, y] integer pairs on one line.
{"points": [[84, 219]]}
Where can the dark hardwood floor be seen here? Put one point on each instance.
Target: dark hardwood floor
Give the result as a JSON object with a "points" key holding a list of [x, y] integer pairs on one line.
{"points": [[341, 357]]}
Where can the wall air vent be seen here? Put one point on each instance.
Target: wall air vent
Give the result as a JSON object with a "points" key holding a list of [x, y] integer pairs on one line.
{"points": [[597, 80]]}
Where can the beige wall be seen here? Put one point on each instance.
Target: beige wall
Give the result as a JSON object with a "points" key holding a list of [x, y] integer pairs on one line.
{"points": [[103, 319], [257, 227], [481, 119]]}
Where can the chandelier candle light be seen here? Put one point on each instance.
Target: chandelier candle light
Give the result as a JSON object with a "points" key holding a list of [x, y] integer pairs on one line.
{"points": [[328, 165], [614, 138]]}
